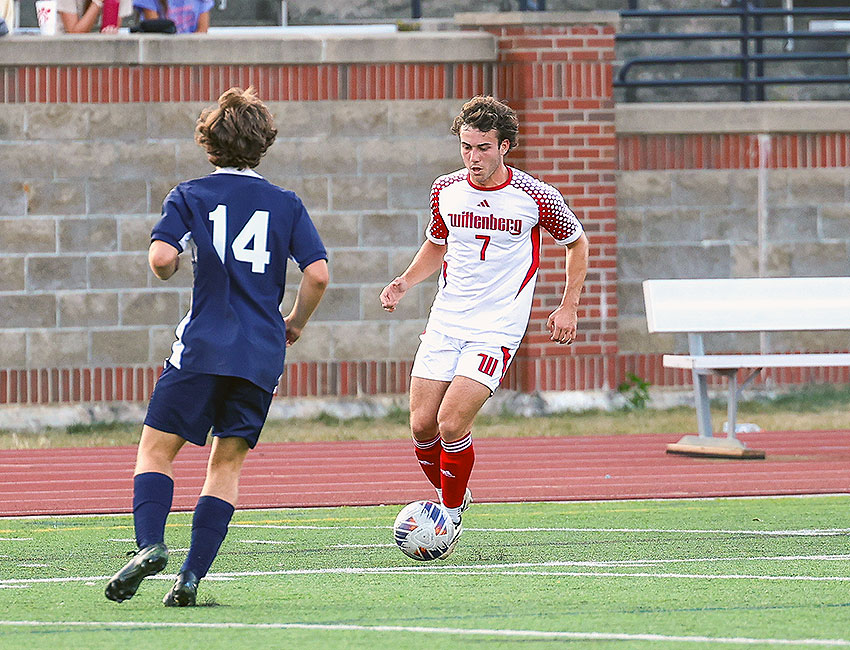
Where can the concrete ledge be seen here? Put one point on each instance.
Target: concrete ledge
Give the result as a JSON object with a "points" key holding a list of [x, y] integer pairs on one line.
{"points": [[246, 49], [410, 47], [732, 117], [537, 18]]}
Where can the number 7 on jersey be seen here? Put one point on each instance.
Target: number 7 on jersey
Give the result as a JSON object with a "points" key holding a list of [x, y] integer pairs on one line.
{"points": [[486, 240]]}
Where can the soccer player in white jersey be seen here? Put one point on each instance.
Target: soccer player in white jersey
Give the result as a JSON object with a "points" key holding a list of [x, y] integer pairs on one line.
{"points": [[484, 239], [228, 357]]}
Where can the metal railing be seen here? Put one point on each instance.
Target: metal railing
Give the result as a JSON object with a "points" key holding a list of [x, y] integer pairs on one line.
{"points": [[748, 65]]}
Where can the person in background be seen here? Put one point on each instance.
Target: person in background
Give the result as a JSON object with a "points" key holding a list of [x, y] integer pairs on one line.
{"points": [[7, 16], [228, 357], [189, 16], [82, 16]]}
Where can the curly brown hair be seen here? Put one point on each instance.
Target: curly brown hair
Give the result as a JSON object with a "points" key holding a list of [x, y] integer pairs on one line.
{"points": [[486, 113], [237, 132]]}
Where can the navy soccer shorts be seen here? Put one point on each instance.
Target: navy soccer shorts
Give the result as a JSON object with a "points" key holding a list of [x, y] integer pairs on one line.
{"points": [[189, 404]]}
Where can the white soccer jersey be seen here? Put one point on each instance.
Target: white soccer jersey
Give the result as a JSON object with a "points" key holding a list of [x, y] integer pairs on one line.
{"points": [[490, 268]]}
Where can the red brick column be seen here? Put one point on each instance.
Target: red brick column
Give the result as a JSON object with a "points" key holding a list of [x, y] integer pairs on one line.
{"points": [[556, 70]]}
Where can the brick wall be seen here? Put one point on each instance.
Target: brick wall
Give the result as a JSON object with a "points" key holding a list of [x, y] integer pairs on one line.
{"points": [[87, 153], [116, 138], [557, 72]]}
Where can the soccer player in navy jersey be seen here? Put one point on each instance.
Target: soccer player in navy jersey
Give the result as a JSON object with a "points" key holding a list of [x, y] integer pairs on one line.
{"points": [[484, 239], [228, 357]]}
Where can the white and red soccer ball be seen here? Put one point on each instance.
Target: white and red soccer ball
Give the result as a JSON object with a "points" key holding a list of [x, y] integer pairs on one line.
{"points": [[423, 530]]}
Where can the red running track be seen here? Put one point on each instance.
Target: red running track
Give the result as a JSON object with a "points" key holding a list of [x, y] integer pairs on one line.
{"points": [[99, 480]]}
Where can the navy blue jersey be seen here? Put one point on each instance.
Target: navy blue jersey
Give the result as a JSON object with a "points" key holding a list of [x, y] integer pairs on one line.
{"points": [[241, 229]]}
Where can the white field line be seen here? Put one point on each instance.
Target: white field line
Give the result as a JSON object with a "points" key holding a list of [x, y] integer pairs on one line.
{"points": [[765, 558], [309, 527], [107, 515], [679, 576], [514, 568], [537, 634], [804, 532]]}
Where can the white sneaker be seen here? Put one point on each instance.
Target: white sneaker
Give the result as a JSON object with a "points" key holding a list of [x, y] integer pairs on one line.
{"points": [[453, 543], [467, 500]]}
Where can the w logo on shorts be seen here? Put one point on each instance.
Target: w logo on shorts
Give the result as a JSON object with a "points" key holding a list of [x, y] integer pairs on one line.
{"points": [[488, 364]]}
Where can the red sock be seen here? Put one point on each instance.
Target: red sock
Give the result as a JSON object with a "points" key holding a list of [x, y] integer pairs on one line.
{"points": [[428, 454], [456, 460]]}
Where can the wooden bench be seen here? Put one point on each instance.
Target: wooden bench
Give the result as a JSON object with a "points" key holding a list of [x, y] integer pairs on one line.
{"points": [[698, 307]]}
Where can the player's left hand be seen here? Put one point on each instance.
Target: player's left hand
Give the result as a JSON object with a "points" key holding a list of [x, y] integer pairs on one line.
{"points": [[392, 293], [562, 325]]}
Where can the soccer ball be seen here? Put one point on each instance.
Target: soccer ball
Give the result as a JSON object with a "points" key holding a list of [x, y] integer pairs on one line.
{"points": [[423, 530]]}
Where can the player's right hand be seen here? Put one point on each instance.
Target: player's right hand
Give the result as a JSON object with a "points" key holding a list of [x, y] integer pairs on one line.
{"points": [[292, 333], [392, 293]]}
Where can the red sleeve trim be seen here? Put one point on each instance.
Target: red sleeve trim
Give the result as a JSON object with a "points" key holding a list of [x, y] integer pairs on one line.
{"points": [[535, 258]]}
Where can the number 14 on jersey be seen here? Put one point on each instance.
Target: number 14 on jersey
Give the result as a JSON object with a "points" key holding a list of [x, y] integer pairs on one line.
{"points": [[254, 233]]}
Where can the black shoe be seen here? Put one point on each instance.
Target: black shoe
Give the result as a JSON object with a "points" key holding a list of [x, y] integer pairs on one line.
{"points": [[146, 562], [184, 591]]}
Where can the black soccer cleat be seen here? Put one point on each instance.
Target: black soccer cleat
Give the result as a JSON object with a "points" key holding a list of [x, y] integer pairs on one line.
{"points": [[184, 592], [146, 562]]}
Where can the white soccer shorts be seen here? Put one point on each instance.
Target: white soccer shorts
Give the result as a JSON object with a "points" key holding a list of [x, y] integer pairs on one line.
{"points": [[442, 358]]}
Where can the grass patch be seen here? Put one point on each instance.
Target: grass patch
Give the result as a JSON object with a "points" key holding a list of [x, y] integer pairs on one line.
{"points": [[99, 428], [806, 399], [804, 409], [756, 569]]}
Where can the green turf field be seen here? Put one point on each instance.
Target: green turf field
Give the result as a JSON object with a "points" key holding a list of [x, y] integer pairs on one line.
{"points": [[632, 574]]}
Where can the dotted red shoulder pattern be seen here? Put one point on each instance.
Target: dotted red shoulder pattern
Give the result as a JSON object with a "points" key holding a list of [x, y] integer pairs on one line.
{"points": [[554, 214], [438, 229]]}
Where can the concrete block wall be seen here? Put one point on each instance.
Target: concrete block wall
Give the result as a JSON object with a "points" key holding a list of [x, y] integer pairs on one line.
{"points": [[368, 119], [75, 227], [368, 122], [88, 151], [694, 181]]}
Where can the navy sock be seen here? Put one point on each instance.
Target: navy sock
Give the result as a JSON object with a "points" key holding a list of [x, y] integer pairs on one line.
{"points": [[209, 527], [152, 494]]}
